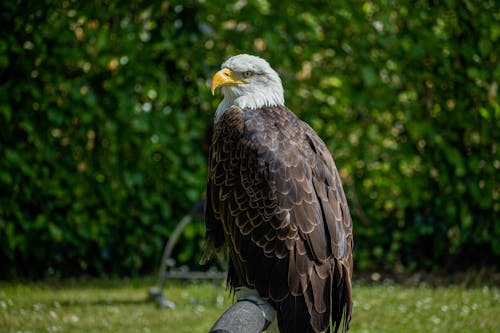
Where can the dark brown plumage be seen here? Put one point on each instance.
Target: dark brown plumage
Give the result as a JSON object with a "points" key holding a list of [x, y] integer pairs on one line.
{"points": [[275, 200]]}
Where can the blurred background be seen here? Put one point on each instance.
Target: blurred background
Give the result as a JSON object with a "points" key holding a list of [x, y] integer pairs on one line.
{"points": [[104, 107]]}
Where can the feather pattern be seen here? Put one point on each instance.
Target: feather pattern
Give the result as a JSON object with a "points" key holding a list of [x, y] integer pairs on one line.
{"points": [[275, 198]]}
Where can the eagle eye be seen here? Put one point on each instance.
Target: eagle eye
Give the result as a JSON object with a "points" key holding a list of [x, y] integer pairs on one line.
{"points": [[247, 74]]}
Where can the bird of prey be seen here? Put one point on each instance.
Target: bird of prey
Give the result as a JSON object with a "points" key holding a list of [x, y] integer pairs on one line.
{"points": [[275, 202]]}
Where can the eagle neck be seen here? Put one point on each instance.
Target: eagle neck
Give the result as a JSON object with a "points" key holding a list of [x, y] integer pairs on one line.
{"points": [[252, 101], [223, 106]]}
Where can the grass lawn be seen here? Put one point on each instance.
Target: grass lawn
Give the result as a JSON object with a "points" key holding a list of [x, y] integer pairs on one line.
{"points": [[120, 306]]}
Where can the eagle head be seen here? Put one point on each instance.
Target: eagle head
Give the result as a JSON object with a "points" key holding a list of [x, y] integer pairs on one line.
{"points": [[247, 81]]}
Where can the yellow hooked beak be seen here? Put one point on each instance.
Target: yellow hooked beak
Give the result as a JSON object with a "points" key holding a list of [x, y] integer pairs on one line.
{"points": [[224, 77]]}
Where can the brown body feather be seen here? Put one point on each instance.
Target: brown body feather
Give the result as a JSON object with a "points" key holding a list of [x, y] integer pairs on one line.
{"points": [[275, 199]]}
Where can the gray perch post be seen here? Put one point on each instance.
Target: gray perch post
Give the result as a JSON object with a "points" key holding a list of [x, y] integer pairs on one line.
{"points": [[244, 316]]}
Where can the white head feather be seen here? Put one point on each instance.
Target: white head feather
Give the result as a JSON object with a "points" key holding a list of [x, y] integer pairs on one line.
{"points": [[262, 88]]}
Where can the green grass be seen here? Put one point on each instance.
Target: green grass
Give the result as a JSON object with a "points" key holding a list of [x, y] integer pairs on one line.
{"points": [[119, 306]]}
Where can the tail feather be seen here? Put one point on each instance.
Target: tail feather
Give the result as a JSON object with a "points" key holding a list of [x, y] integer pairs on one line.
{"points": [[325, 305], [293, 316]]}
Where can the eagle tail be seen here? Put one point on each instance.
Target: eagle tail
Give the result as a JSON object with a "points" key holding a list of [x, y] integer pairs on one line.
{"points": [[342, 306], [293, 316], [347, 297]]}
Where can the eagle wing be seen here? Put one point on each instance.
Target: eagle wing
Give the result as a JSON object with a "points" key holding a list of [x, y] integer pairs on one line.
{"points": [[274, 197]]}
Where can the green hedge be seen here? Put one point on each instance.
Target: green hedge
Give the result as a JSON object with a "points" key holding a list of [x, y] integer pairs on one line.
{"points": [[104, 107]]}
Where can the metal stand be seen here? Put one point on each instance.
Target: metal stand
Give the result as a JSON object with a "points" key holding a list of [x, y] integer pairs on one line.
{"points": [[167, 262]]}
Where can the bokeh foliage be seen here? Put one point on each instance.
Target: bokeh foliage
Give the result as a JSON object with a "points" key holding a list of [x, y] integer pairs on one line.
{"points": [[104, 107]]}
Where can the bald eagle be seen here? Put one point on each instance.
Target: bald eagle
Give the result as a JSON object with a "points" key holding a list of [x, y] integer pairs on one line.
{"points": [[275, 202]]}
